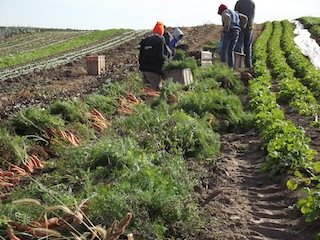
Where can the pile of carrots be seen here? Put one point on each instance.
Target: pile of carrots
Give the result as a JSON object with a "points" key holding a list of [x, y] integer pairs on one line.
{"points": [[9, 178], [33, 162], [127, 103], [99, 122], [47, 227], [150, 92], [68, 136], [53, 226]]}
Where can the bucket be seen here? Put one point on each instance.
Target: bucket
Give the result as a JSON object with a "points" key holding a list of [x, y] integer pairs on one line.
{"points": [[239, 60]]}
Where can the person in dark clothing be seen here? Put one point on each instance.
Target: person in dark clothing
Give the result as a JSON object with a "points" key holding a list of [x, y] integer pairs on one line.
{"points": [[231, 28], [244, 44], [152, 57]]}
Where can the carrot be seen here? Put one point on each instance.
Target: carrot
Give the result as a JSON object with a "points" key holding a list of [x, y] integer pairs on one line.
{"points": [[77, 141], [78, 217], [18, 170], [38, 161], [35, 224], [132, 98], [20, 226], [63, 134], [11, 235], [124, 110], [6, 173], [150, 92], [32, 162], [97, 127], [97, 113], [51, 222], [29, 166], [44, 232], [12, 179], [72, 139], [4, 184]]}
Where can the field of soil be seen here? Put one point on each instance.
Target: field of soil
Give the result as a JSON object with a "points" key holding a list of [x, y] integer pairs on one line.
{"points": [[239, 200]]}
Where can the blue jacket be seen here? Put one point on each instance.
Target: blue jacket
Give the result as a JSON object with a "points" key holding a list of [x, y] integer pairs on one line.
{"points": [[235, 20]]}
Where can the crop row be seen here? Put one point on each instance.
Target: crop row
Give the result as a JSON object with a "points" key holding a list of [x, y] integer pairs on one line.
{"points": [[303, 68], [7, 32], [287, 145], [291, 89], [313, 24], [44, 39], [79, 41], [70, 56]]}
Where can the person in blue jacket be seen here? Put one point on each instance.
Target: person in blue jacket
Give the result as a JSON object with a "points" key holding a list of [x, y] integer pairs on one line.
{"points": [[231, 28]]}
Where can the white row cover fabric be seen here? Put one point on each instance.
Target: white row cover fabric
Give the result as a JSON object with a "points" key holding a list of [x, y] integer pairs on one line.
{"points": [[308, 46]]}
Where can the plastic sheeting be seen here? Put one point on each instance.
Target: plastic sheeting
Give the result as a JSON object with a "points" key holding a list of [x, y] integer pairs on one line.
{"points": [[308, 46]]}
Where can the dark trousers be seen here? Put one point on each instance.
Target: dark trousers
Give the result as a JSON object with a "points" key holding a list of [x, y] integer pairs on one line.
{"points": [[244, 45], [228, 44]]}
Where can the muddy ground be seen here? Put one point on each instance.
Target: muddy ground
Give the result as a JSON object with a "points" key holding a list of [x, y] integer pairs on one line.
{"points": [[239, 201]]}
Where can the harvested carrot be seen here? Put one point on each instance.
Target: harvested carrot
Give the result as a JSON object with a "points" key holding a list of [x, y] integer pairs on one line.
{"points": [[95, 112], [29, 166], [51, 222], [36, 224], [11, 179], [11, 235], [63, 134], [72, 139], [44, 232], [36, 161], [78, 217], [6, 173], [124, 110], [5, 184], [14, 168], [150, 92], [33, 162], [132, 98]]}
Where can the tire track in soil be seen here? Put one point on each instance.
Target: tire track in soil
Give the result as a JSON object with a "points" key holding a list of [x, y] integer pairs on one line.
{"points": [[241, 202]]}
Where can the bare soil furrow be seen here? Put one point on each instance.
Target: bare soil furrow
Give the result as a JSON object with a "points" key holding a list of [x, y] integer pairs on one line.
{"points": [[248, 203]]}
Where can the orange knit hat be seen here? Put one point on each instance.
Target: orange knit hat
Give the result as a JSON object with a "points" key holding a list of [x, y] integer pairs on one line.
{"points": [[158, 28]]}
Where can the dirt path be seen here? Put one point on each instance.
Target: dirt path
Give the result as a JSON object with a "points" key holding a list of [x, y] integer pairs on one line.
{"points": [[241, 202]]}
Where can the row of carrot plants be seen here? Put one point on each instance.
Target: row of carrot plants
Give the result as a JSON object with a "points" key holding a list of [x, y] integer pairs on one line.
{"points": [[307, 178], [303, 67], [123, 151], [287, 145], [291, 90], [313, 24]]}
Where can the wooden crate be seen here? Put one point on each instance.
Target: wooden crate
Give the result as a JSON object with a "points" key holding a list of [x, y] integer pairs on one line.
{"points": [[183, 76], [96, 64], [206, 58]]}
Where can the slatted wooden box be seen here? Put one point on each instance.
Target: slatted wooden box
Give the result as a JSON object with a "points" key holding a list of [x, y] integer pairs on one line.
{"points": [[183, 76], [96, 64]]}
